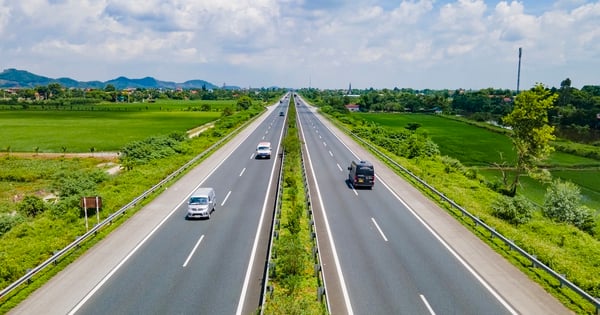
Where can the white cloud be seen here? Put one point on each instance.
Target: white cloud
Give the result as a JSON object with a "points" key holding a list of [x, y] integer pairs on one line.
{"points": [[378, 43]]}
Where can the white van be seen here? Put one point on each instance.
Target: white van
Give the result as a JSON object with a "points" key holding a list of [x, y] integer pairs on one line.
{"points": [[201, 203], [263, 150]]}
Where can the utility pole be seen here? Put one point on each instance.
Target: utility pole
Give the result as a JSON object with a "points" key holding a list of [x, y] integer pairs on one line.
{"points": [[519, 70]]}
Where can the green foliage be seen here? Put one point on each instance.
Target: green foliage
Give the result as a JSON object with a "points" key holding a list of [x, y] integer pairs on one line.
{"points": [[227, 111], [7, 221], [76, 183], [31, 206], [291, 256], [402, 142], [153, 148], [531, 133], [244, 102], [413, 126], [452, 165], [515, 210], [562, 204]]}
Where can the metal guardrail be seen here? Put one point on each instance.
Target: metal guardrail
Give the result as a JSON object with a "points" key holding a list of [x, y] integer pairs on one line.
{"points": [[274, 235], [493, 234], [27, 277], [321, 291]]}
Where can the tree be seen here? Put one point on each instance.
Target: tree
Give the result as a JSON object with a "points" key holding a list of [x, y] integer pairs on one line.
{"points": [[109, 88], [244, 102], [55, 90], [531, 134]]}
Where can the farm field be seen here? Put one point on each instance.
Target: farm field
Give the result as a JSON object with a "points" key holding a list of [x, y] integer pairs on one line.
{"points": [[108, 127], [480, 148]]}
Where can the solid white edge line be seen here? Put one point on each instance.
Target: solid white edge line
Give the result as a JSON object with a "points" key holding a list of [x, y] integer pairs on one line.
{"points": [[255, 245], [142, 242], [225, 199], [427, 304], [379, 229], [242, 172], [193, 251], [439, 238], [330, 236]]}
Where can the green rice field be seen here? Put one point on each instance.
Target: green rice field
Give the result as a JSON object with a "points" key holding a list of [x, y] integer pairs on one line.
{"points": [[481, 148], [105, 127]]}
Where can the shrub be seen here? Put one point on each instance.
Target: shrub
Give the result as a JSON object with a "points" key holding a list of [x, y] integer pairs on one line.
{"points": [[292, 256], [31, 206], [69, 183], [562, 204], [7, 221], [516, 210]]}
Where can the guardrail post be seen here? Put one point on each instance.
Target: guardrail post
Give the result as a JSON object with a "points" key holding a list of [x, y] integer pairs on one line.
{"points": [[320, 293], [317, 268], [272, 269]]}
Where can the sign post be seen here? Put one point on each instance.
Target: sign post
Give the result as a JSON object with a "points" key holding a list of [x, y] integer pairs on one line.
{"points": [[91, 203]]}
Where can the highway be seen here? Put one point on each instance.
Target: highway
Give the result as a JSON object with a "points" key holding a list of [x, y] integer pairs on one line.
{"points": [[388, 250], [199, 267], [383, 258], [179, 266]]}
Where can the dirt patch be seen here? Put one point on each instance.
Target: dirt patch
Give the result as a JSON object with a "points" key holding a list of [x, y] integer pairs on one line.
{"points": [[196, 131], [111, 167], [48, 155]]}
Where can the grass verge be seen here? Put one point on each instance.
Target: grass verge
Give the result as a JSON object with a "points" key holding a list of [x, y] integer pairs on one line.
{"points": [[292, 278]]}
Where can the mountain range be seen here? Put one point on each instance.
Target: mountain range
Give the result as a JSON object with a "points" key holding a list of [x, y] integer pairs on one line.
{"points": [[13, 78]]}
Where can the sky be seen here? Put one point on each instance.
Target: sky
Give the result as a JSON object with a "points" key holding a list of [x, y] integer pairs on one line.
{"points": [[326, 44]]}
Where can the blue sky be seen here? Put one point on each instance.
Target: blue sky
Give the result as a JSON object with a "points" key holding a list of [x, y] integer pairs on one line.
{"points": [[419, 44]]}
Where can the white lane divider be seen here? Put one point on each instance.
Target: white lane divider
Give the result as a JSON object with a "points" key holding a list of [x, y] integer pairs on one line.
{"points": [[193, 251], [243, 170], [225, 200], [379, 229], [427, 304]]}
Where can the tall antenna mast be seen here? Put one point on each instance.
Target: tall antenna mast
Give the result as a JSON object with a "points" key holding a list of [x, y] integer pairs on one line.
{"points": [[519, 70]]}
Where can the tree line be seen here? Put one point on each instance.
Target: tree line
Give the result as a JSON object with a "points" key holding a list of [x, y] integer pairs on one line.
{"points": [[574, 112], [56, 94]]}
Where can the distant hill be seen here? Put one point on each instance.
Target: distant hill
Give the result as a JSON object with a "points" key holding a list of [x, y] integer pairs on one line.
{"points": [[11, 78]]}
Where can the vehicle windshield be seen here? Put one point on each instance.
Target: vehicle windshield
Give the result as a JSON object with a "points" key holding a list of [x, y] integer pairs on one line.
{"points": [[263, 148], [365, 171], [198, 201]]}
